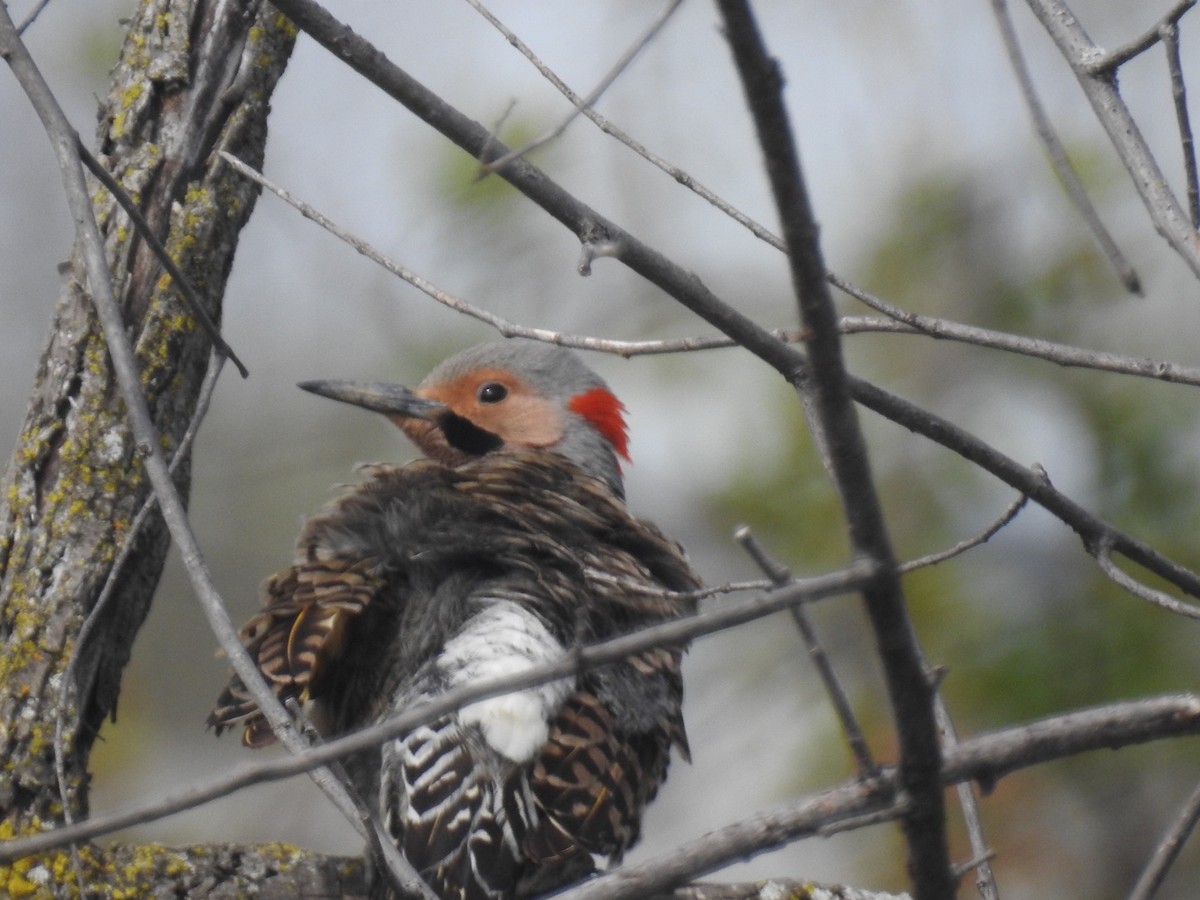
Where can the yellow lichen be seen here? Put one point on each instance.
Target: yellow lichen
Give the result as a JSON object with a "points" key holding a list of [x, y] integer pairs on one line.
{"points": [[132, 94]]}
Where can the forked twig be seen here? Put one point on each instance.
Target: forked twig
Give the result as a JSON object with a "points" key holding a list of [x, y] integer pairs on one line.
{"points": [[1100, 88], [842, 707], [1067, 175], [182, 282], [607, 127], [587, 102], [1108, 63], [503, 326]]}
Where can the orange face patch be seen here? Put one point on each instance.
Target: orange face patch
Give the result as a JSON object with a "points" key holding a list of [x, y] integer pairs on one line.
{"points": [[521, 418]]}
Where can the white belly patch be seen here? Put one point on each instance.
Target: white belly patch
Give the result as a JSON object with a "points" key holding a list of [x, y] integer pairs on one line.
{"points": [[504, 638]]}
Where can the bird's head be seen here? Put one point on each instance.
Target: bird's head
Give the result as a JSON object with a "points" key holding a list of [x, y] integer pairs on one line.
{"points": [[503, 396]]}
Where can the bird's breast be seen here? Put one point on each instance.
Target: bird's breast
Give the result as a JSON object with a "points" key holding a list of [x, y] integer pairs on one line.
{"points": [[504, 638]]}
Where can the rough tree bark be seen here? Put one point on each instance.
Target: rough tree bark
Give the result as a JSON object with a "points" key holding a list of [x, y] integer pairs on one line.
{"points": [[194, 77]]}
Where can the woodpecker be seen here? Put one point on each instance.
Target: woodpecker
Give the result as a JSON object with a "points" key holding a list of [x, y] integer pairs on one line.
{"points": [[505, 546]]}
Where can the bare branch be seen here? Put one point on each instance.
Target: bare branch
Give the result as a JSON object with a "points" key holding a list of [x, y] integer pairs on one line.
{"points": [[32, 17], [586, 223], [749, 837], [905, 322], [1037, 348], [676, 631], [503, 326], [985, 878], [1058, 153], [607, 127], [774, 889], [983, 759], [1100, 87], [1103, 553], [1032, 482]]}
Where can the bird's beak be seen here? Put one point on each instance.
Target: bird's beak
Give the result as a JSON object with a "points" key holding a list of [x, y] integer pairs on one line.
{"points": [[392, 400]]}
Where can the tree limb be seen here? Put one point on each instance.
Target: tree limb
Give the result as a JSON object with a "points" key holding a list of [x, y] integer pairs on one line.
{"points": [[76, 480]]}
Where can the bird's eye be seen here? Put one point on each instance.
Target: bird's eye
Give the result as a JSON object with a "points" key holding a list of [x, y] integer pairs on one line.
{"points": [[492, 392]]}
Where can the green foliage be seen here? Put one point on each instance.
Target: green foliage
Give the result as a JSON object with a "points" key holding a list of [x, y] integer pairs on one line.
{"points": [[461, 182]]}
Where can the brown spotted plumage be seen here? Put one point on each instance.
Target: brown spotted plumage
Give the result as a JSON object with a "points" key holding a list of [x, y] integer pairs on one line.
{"points": [[506, 547]]}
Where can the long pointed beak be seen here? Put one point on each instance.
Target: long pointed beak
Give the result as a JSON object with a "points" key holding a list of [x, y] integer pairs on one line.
{"points": [[377, 396]]}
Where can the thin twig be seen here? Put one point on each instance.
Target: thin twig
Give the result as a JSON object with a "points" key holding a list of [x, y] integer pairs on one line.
{"points": [[963, 546], [842, 707], [985, 858], [1037, 348], [587, 102], [1103, 555], [1168, 849], [985, 878], [1170, 39], [1108, 63], [676, 631], [32, 17], [181, 281], [1067, 175], [66, 145], [905, 322]]}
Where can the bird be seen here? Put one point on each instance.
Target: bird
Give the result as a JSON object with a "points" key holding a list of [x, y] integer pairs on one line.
{"points": [[506, 544]]}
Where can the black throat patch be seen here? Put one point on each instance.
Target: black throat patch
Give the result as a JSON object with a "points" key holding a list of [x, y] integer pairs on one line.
{"points": [[464, 435]]}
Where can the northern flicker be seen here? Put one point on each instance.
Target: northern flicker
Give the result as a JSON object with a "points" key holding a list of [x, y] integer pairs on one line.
{"points": [[505, 547]]}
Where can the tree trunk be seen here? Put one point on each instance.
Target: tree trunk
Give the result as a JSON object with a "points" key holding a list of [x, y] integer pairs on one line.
{"points": [[194, 77]]}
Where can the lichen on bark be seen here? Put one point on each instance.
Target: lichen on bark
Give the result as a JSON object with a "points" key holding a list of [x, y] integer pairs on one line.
{"points": [[194, 77]]}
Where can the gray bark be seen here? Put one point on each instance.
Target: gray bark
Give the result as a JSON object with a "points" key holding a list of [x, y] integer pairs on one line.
{"points": [[194, 77]]}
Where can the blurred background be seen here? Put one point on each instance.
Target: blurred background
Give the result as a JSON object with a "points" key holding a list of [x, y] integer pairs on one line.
{"points": [[931, 190]]}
